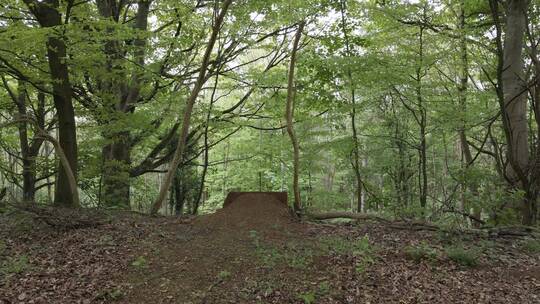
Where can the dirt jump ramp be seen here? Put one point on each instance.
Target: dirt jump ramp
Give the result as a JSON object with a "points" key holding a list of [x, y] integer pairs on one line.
{"points": [[233, 196], [251, 211]]}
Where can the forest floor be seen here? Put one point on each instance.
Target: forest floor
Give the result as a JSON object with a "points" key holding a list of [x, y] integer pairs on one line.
{"points": [[253, 251]]}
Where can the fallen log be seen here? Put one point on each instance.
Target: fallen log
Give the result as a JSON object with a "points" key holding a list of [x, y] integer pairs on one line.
{"points": [[493, 232], [345, 215]]}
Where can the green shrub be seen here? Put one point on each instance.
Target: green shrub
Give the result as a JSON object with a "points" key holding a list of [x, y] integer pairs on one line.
{"points": [[421, 252], [462, 256]]}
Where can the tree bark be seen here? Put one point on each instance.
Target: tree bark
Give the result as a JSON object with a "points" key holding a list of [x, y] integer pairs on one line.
{"points": [[511, 91], [356, 144], [289, 114], [515, 101], [462, 95], [48, 16], [125, 91], [513, 84], [423, 180], [28, 160], [201, 79], [206, 152]]}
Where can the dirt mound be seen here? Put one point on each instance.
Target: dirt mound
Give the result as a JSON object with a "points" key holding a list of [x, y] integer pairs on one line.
{"points": [[250, 211]]}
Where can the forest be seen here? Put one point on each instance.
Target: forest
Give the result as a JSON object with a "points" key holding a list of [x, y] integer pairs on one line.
{"points": [[166, 149]]}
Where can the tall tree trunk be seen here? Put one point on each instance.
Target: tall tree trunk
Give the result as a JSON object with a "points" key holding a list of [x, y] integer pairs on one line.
{"points": [[48, 16], [201, 79], [514, 85], [197, 201], [423, 180], [515, 100], [125, 91], [178, 195], [29, 170], [116, 160], [356, 144], [462, 95], [511, 91], [289, 114]]}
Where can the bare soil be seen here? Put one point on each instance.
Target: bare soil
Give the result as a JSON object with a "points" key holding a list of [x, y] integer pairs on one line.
{"points": [[254, 251]]}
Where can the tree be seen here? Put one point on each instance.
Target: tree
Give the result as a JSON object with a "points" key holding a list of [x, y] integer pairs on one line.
{"points": [[201, 79], [289, 114], [521, 173], [48, 16]]}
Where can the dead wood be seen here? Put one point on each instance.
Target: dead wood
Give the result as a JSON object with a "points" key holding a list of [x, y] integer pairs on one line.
{"points": [[491, 232], [345, 215]]}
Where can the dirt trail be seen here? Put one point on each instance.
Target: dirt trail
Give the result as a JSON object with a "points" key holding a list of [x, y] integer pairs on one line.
{"points": [[254, 251]]}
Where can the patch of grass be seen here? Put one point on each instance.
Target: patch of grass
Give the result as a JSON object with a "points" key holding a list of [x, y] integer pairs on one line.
{"points": [[421, 252], [270, 257], [3, 247], [361, 249], [223, 275], [105, 240], [261, 287], [15, 265], [462, 256], [363, 263], [307, 297], [531, 246], [339, 245], [294, 255], [113, 294], [323, 288], [297, 256], [140, 262], [298, 259]]}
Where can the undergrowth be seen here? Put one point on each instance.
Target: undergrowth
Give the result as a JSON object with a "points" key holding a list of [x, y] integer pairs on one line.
{"points": [[421, 252], [531, 246], [463, 256]]}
